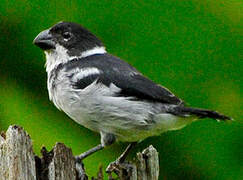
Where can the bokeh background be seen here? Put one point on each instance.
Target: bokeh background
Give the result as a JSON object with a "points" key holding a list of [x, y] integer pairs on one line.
{"points": [[192, 47]]}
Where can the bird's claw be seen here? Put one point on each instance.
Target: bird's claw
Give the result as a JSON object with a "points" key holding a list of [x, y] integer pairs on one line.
{"points": [[81, 175], [119, 168], [113, 167]]}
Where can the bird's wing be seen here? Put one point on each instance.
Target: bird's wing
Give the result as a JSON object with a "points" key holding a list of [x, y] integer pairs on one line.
{"points": [[128, 79], [138, 86]]}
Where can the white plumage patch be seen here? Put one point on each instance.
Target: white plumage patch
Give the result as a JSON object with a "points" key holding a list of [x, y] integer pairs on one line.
{"points": [[56, 57], [59, 56], [84, 72], [95, 50]]}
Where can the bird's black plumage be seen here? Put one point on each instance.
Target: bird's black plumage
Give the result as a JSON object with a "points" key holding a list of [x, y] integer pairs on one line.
{"points": [[112, 70], [84, 81], [74, 37], [132, 84], [124, 76]]}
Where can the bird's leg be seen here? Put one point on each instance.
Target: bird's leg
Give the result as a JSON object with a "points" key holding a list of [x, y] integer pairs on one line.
{"points": [[123, 156], [115, 166], [80, 157], [79, 164], [106, 140]]}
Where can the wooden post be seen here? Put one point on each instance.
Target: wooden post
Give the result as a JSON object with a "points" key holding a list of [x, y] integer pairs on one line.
{"points": [[18, 162]]}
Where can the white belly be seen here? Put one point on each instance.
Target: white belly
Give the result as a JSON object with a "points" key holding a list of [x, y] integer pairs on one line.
{"points": [[95, 108]]}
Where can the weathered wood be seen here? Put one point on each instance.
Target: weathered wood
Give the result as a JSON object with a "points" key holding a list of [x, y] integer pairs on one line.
{"points": [[62, 165], [18, 162], [148, 164], [16, 155], [145, 168], [58, 164]]}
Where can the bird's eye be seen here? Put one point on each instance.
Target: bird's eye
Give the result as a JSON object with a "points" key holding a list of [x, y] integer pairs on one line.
{"points": [[66, 35]]}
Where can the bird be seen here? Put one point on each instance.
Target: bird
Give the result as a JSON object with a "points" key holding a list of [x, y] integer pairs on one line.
{"points": [[107, 95]]}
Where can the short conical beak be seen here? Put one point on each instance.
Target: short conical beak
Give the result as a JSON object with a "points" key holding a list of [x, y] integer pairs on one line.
{"points": [[44, 40]]}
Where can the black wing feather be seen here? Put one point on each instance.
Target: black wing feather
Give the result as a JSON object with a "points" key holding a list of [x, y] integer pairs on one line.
{"points": [[84, 82], [124, 76], [141, 87]]}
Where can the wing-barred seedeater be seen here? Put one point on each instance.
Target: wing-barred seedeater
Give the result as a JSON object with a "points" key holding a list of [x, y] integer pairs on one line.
{"points": [[107, 95]]}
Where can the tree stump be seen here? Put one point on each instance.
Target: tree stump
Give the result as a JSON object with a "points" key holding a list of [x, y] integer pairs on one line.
{"points": [[18, 162]]}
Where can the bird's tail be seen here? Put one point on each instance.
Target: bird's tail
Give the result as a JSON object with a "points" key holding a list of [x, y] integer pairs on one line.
{"points": [[203, 113]]}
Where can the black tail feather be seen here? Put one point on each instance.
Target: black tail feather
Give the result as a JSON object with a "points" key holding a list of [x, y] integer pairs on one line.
{"points": [[204, 113]]}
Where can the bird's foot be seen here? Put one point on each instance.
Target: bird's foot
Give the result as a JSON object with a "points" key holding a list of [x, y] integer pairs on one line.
{"points": [[122, 169], [79, 164], [81, 175]]}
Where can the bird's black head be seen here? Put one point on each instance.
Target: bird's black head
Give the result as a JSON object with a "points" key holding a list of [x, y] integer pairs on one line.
{"points": [[71, 36]]}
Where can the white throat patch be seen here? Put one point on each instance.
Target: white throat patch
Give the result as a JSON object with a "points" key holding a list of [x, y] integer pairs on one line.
{"points": [[60, 55], [56, 57]]}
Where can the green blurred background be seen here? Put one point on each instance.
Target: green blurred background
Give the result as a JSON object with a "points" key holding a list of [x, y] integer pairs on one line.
{"points": [[192, 47]]}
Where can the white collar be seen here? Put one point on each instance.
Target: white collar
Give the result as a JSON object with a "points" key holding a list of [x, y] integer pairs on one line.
{"points": [[60, 56]]}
